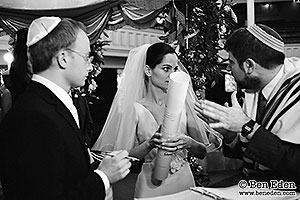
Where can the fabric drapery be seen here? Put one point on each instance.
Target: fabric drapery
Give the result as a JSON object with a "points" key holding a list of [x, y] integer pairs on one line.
{"points": [[107, 14], [119, 129]]}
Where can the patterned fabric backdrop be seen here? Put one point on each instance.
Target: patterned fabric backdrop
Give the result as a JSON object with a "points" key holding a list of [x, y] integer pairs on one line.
{"points": [[96, 15]]}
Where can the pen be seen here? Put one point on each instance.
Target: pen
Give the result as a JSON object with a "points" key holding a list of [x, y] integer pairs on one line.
{"points": [[207, 193], [109, 153]]}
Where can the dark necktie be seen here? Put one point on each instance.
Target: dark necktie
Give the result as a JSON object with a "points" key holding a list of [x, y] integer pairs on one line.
{"points": [[249, 166], [261, 105], [240, 97]]}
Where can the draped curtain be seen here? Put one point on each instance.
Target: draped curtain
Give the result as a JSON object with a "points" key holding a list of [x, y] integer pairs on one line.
{"points": [[106, 14]]}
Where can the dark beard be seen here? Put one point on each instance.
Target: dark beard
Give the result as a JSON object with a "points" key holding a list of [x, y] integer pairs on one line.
{"points": [[249, 83]]}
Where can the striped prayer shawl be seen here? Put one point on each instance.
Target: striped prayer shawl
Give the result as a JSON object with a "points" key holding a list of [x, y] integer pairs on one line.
{"points": [[286, 97], [277, 113]]}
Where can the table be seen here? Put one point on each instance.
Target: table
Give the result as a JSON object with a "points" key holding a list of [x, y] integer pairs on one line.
{"points": [[232, 193]]}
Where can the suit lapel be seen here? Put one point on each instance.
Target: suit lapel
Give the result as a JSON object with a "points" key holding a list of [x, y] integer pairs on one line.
{"points": [[51, 98], [65, 113]]}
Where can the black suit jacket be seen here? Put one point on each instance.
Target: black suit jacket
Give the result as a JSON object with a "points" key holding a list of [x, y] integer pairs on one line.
{"points": [[43, 153], [283, 157], [85, 118]]}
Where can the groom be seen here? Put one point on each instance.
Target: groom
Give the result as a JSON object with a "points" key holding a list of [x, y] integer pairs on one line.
{"points": [[43, 154]]}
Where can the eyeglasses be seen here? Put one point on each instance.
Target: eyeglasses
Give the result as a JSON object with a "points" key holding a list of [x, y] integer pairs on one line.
{"points": [[87, 58]]}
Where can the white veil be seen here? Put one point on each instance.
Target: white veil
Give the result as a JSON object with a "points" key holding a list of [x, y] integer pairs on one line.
{"points": [[119, 129]]}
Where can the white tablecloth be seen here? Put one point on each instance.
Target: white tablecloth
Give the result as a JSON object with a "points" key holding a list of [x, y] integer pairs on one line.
{"points": [[232, 193]]}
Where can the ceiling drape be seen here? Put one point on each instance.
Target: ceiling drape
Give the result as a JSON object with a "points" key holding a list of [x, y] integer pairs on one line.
{"points": [[106, 14]]}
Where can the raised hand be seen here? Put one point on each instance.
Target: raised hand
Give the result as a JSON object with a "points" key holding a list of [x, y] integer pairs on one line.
{"points": [[228, 118], [116, 167]]}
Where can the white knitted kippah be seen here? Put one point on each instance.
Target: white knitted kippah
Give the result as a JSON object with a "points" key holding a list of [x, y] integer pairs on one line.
{"points": [[266, 38], [41, 27]]}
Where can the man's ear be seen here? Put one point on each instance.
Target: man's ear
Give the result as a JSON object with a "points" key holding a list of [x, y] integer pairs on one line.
{"points": [[249, 65], [62, 59], [147, 70]]}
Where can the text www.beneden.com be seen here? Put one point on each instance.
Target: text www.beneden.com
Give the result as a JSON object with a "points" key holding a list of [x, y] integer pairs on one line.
{"points": [[267, 193]]}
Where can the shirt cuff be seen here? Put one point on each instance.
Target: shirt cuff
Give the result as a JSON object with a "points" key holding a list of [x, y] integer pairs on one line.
{"points": [[104, 179]]}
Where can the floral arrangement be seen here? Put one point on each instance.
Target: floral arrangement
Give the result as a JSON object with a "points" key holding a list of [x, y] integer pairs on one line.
{"points": [[200, 27], [90, 84], [209, 23]]}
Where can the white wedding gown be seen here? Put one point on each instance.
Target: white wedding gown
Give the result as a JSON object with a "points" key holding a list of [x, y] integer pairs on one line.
{"points": [[180, 176]]}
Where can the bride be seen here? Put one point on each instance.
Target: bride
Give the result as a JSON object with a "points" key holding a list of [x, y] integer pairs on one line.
{"points": [[137, 113]]}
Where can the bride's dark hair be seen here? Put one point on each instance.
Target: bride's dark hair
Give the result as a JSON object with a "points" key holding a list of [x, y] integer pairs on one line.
{"points": [[156, 53]]}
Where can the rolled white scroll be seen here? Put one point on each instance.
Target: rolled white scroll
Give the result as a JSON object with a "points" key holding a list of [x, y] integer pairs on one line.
{"points": [[177, 90]]}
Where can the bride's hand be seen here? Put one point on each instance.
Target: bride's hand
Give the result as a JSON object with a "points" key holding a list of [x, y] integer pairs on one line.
{"points": [[177, 142], [155, 141]]}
